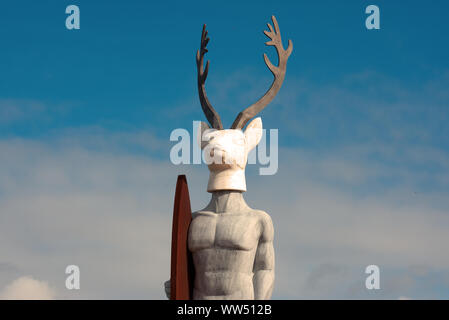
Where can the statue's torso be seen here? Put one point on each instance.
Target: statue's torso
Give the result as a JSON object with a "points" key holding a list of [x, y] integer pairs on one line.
{"points": [[223, 246]]}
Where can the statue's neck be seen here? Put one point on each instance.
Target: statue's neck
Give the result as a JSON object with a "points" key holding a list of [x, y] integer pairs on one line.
{"points": [[229, 179], [227, 201]]}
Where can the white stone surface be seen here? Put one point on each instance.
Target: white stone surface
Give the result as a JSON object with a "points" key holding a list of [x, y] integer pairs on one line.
{"points": [[232, 247], [231, 244], [226, 153]]}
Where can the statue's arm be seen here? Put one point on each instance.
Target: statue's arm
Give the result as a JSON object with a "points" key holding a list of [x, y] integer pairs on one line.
{"points": [[167, 289], [263, 278]]}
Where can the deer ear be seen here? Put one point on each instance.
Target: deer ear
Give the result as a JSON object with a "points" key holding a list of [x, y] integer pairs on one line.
{"points": [[253, 133], [201, 129]]}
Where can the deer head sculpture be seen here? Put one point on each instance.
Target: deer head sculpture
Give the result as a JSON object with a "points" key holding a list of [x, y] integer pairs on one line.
{"points": [[226, 150]]}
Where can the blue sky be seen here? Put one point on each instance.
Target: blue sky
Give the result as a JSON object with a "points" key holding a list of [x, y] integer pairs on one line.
{"points": [[85, 119], [129, 64]]}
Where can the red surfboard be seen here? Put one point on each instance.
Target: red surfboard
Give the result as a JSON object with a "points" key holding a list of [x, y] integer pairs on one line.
{"points": [[182, 271]]}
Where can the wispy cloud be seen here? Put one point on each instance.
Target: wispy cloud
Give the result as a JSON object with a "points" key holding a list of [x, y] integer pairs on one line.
{"points": [[30, 113], [110, 213], [367, 107], [27, 288], [361, 181], [13, 110]]}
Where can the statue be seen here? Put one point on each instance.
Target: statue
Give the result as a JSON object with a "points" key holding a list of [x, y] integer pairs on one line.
{"points": [[231, 243]]}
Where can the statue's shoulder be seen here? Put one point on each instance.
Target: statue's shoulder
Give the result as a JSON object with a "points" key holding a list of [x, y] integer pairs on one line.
{"points": [[201, 213], [260, 214], [265, 222]]}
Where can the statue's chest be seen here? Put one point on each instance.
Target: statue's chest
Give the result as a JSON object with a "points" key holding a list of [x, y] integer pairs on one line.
{"points": [[223, 231]]}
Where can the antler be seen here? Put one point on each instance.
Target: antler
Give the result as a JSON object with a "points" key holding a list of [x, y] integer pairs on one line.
{"points": [[278, 73], [211, 115]]}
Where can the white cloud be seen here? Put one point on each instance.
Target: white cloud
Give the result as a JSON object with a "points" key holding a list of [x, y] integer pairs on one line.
{"points": [[106, 211], [84, 199], [27, 288], [22, 111]]}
